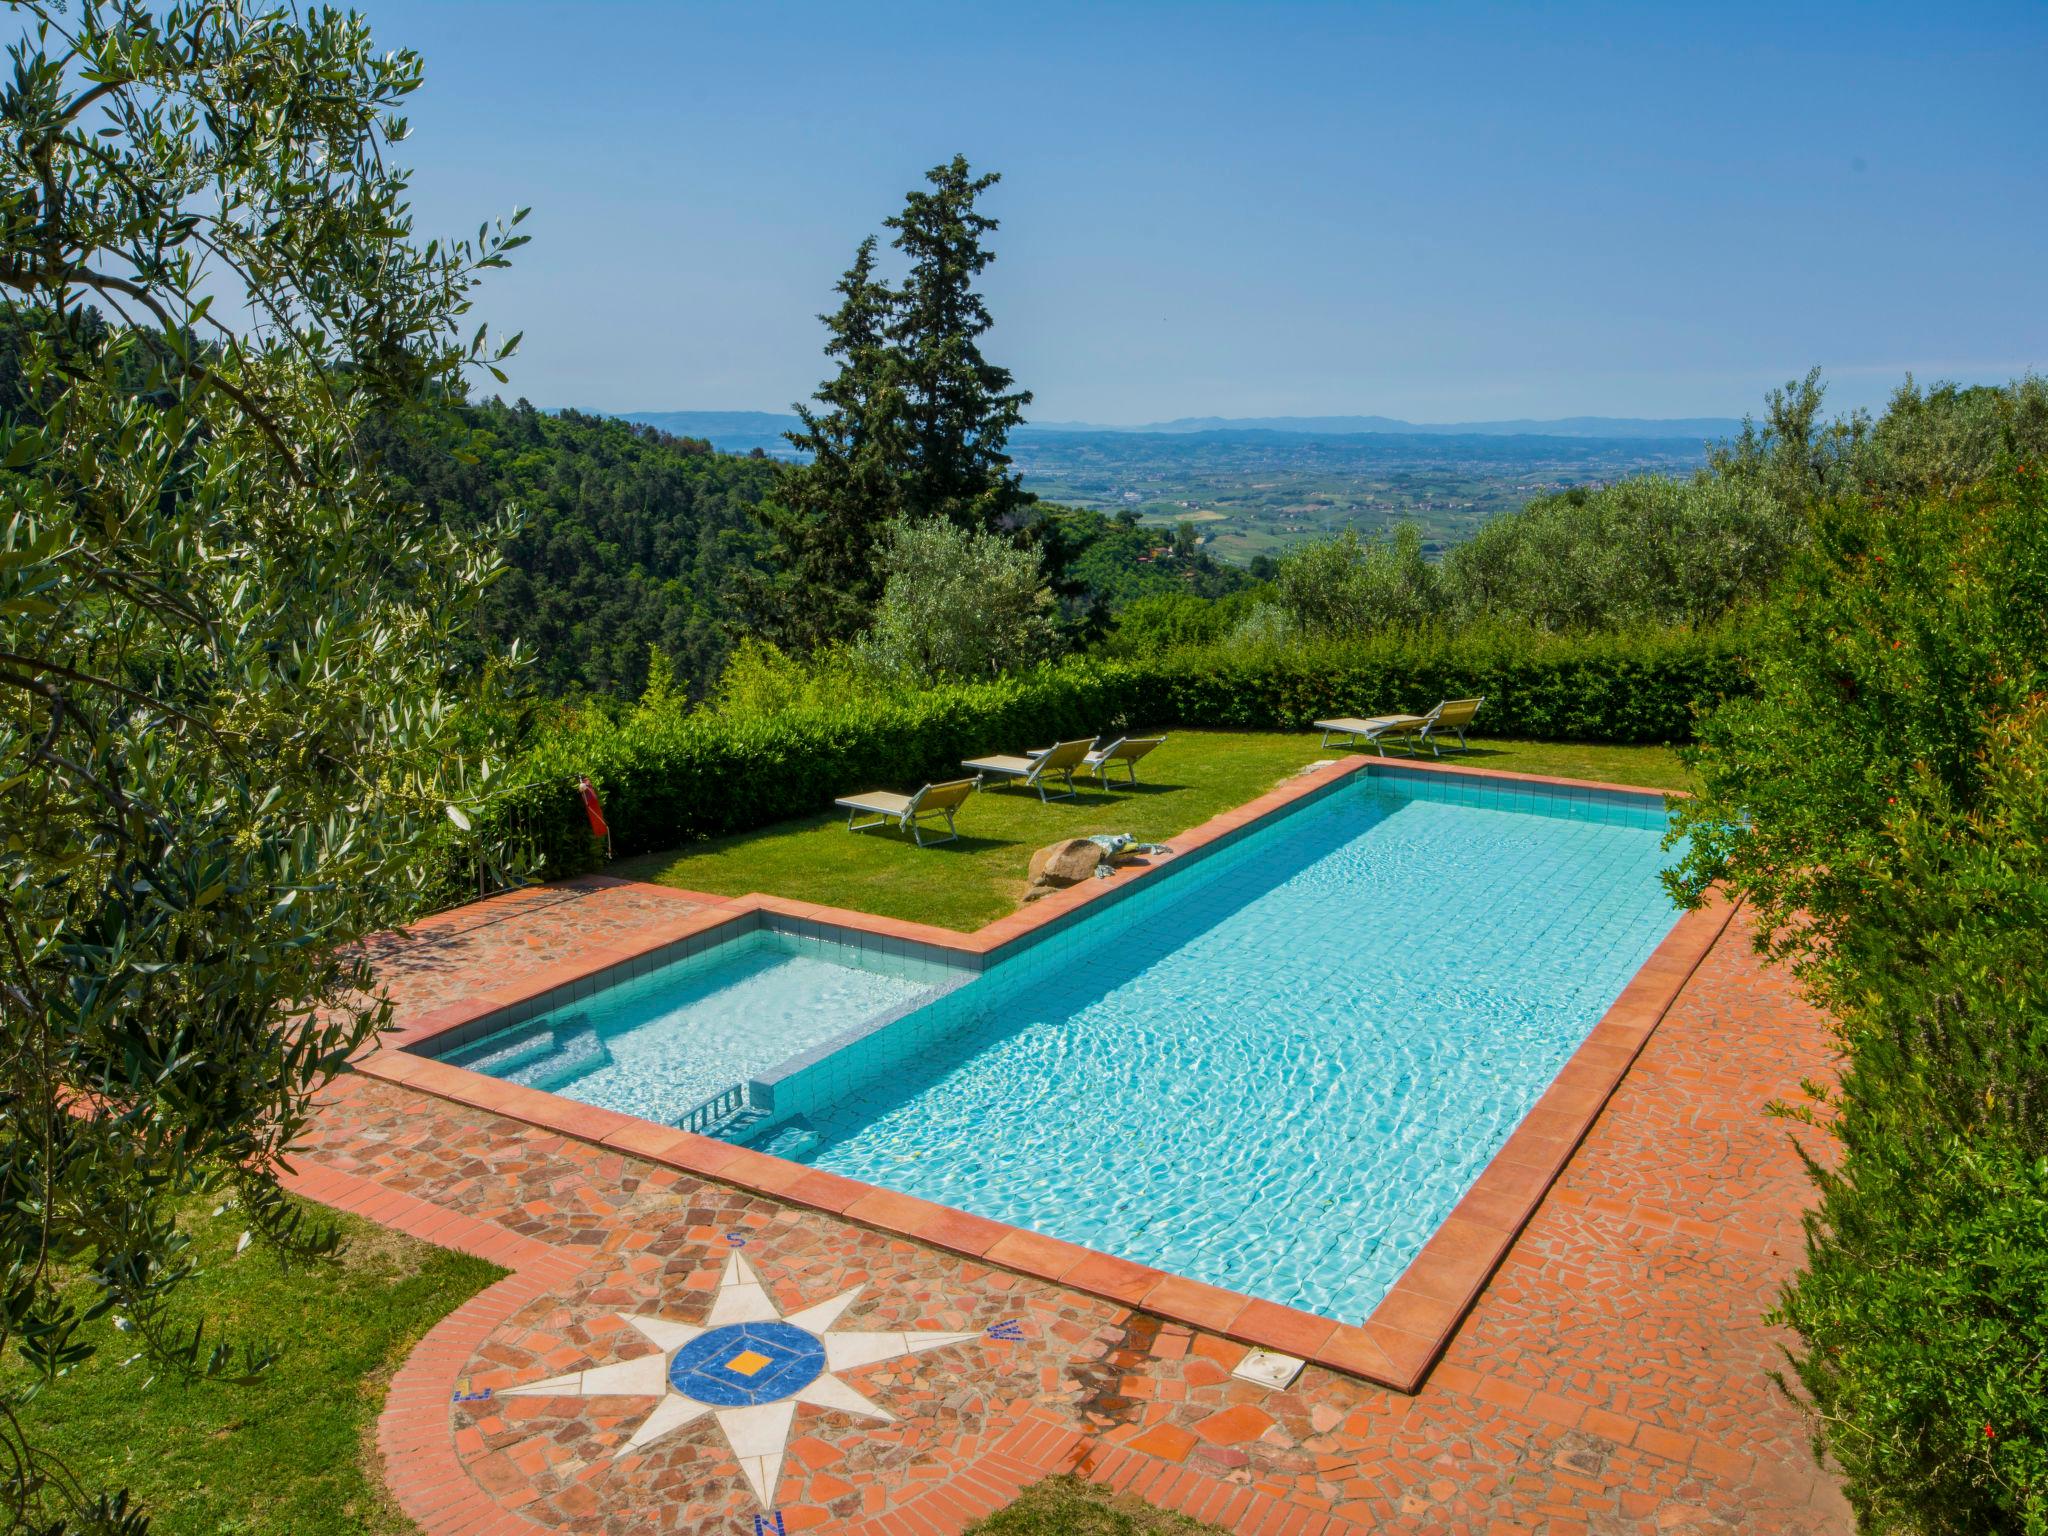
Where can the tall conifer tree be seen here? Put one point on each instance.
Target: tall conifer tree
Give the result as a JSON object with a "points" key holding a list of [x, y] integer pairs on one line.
{"points": [[826, 514], [961, 407], [913, 425]]}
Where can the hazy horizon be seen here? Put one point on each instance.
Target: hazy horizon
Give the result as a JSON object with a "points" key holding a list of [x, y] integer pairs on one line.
{"points": [[1320, 421]]}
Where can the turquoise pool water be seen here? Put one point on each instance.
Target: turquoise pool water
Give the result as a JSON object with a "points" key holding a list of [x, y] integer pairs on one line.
{"points": [[1275, 1066], [1280, 1071]]}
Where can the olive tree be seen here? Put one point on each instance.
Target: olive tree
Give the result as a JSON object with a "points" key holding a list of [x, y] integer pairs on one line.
{"points": [[1651, 550], [956, 603], [1342, 587], [232, 713]]}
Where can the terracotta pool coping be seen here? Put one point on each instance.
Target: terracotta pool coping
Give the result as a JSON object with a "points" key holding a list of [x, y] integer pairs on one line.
{"points": [[1395, 1347]]}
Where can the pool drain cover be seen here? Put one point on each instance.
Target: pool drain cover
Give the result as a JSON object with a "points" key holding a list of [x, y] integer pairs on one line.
{"points": [[1268, 1368]]}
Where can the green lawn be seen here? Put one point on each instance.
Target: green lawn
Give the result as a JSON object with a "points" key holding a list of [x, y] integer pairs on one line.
{"points": [[285, 1456], [1067, 1506], [979, 878]]}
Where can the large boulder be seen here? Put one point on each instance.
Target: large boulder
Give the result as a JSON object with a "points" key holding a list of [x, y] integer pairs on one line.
{"points": [[1062, 864]]}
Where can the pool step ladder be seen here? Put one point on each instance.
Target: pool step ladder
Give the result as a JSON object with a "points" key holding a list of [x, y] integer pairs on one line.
{"points": [[716, 1115], [732, 1114]]}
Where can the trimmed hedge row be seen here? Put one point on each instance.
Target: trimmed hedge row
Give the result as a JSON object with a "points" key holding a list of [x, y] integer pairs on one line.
{"points": [[1608, 688], [668, 778]]}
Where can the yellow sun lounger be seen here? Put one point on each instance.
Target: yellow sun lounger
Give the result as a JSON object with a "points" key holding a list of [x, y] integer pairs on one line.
{"points": [[905, 811], [1032, 770], [1452, 715], [1126, 750]]}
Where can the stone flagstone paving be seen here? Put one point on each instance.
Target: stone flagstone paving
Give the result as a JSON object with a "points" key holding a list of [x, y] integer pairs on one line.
{"points": [[1612, 1377]]}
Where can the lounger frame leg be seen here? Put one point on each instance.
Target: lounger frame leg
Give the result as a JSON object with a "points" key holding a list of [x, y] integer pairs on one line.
{"points": [[867, 826], [952, 833], [1066, 778]]}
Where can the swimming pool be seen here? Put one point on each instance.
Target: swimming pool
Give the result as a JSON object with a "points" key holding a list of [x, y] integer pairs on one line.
{"points": [[1274, 1066]]}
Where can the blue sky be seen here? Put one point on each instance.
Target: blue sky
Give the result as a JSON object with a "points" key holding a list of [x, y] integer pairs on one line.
{"points": [[1441, 213]]}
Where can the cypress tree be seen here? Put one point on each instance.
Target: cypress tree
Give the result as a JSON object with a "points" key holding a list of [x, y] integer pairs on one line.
{"points": [[960, 406], [825, 514]]}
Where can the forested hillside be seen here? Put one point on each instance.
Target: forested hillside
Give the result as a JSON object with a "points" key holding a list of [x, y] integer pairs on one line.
{"points": [[1119, 560], [632, 538]]}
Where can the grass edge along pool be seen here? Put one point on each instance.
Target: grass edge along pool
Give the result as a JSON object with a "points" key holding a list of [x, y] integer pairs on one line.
{"points": [[789, 1108]]}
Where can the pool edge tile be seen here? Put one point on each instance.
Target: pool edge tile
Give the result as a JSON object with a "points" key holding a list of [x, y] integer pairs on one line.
{"points": [[1195, 1302], [1033, 1253], [943, 1226], [1104, 1274], [1275, 1325], [1462, 1255]]}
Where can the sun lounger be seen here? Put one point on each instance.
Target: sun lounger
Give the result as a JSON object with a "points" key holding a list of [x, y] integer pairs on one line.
{"points": [[904, 812], [1374, 731], [1033, 769], [1126, 750], [1451, 715]]}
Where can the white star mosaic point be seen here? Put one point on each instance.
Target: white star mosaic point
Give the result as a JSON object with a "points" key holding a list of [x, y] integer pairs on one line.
{"points": [[831, 1392], [747, 1366], [659, 1330], [817, 1319], [670, 1413]]}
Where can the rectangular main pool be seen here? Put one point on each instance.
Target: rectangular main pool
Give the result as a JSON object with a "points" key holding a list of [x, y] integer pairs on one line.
{"points": [[1274, 1066]]}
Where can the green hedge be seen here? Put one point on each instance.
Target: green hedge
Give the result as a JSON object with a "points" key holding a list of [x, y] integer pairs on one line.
{"points": [[1611, 688], [1881, 805], [668, 778]]}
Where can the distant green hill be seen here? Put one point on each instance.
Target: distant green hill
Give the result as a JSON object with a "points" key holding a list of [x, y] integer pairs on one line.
{"points": [[636, 537], [738, 431], [633, 538]]}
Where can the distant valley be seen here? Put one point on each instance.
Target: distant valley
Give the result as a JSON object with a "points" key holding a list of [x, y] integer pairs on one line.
{"points": [[1257, 486]]}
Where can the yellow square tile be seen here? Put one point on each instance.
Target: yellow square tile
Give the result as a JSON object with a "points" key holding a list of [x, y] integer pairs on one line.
{"points": [[746, 1363]]}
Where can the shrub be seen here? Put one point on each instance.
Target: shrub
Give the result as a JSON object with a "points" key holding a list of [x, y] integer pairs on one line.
{"points": [[1882, 802], [1167, 621], [957, 603], [762, 679], [668, 777], [1335, 588]]}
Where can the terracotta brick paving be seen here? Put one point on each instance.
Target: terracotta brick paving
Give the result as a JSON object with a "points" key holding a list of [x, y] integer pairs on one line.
{"points": [[1612, 1377], [442, 959]]}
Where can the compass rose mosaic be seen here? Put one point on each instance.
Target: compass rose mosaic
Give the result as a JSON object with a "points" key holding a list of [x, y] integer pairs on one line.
{"points": [[747, 1366]]}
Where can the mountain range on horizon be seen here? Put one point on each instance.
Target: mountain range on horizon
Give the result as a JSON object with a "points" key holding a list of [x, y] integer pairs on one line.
{"points": [[1608, 427], [739, 430]]}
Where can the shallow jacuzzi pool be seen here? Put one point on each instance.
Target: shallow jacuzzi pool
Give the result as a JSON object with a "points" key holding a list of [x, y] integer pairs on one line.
{"points": [[672, 1045], [1274, 1065]]}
